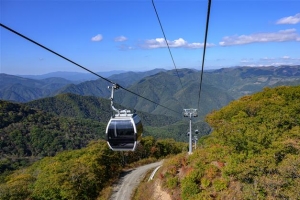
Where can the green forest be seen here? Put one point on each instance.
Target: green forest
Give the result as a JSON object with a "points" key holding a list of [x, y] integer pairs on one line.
{"points": [[252, 153], [47, 126], [28, 134], [87, 173]]}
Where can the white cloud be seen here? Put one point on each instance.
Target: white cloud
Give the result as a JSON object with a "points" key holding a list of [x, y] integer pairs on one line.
{"points": [[267, 58], [97, 38], [179, 43], [120, 38], [280, 36], [281, 63], [273, 61], [198, 45], [160, 43], [276, 64], [290, 20]]}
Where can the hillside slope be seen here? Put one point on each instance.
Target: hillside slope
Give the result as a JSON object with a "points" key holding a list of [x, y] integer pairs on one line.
{"points": [[252, 153], [240, 81], [128, 78], [87, 173], [19, 89], [28, 134], [91, 107], [99, 88], [165, 89]]}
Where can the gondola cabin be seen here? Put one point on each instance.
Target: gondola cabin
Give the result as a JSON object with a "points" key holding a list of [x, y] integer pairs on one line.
{"points": [[124, 131]]}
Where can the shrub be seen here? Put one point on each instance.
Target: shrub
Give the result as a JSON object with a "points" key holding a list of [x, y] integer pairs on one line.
{"points": [[220, 184], [189, 188], [205, 182], [172, 182]]}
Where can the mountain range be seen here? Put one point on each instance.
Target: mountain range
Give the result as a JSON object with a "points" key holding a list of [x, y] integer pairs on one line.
{"points": [[23, 89], [174, 89]]}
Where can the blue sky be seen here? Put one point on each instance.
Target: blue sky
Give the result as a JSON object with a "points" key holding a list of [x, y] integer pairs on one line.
{"points": [[126, 35]]}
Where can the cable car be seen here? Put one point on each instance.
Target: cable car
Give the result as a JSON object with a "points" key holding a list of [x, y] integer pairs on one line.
{"points": [[123, 132], [124, 129]]}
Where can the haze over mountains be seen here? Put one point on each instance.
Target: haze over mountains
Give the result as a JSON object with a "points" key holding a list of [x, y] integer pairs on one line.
{"points": [[73, 76], [159, 85]]}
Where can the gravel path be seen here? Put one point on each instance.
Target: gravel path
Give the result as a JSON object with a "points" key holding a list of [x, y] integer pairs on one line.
{"points": [[130, 180]]}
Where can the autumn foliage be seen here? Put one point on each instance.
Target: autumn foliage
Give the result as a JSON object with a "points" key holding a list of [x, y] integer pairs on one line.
{"points": [[252, 153], [81, 174]]}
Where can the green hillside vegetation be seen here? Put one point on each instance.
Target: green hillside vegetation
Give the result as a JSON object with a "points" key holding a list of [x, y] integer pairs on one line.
{"points": [[90, 107], [94, 108], [96, 88], [128, 78], [252, 153], [27, 134], [87, 173], [177, 131], [240, 81]]}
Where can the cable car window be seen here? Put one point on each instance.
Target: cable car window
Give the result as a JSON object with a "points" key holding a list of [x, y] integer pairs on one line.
{"points": [[120, 128]]}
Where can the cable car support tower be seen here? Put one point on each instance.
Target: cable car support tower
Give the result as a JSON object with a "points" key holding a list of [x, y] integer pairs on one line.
{"points": [[190, 113]]}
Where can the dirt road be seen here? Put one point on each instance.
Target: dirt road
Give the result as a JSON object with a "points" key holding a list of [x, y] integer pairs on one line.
{"points": [[129, 181]]}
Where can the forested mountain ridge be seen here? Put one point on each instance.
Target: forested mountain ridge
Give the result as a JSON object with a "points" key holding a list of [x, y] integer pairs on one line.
{"points": [[99, 88], [8, 80], [252, 153], [218, 89], [91, 107], [27, 88], [128, 78], [27, 134], [165, 88], [21, 89], [13, 113], [240, 81]]}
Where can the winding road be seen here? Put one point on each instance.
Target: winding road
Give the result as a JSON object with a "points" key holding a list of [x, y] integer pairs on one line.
{"points": [[130, 180]]}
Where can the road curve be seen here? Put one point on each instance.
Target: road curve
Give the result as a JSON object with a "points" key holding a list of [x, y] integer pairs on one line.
{"points": [[129, 181]]}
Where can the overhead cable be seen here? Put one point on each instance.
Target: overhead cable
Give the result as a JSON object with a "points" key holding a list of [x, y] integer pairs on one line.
{"points": [[204, 50], [63, 57], [166, 42]]}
